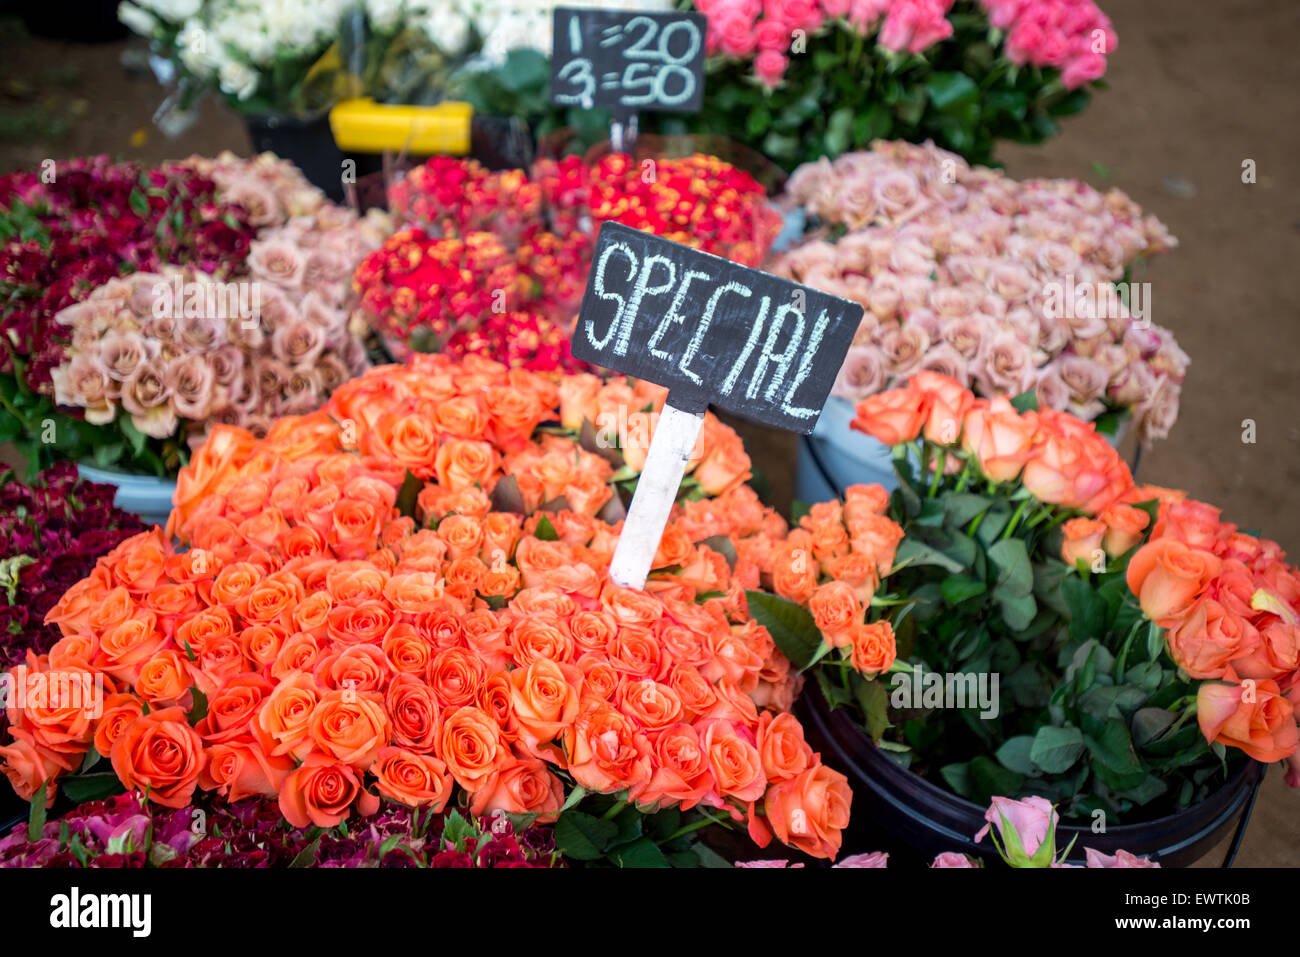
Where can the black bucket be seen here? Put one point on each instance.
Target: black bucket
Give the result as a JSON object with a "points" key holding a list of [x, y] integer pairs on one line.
{"points": [[898, 811], [309, 144]]}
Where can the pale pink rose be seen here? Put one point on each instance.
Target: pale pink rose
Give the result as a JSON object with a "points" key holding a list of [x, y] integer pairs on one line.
{"points": [[903, 348], [1058, 259], [1006, 366], [190, 382], [1051, 390], [1011, 281], [774, 865], [270, 376], [898, 195], [122, 353], [1133, 384], [950, 302], [861, 375], [1118, 859], [886, 294], [1170, 360], [1085, 378], [297, 343], [227, 364], [952, 859], [301, 392], [965, 335], [257, 199], [1031, 819], [278, 261], [945, 360], [912, 257], [1156, 416], [332, 371], [872, 859], [84, 381], [857, 201], [145, 396], [202, 333]]}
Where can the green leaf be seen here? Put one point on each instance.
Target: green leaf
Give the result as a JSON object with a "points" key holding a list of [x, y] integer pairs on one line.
{"points": [[1014, 755], [307, 856], [1150, 723], [790, 625], [873, 699], [1015, 573], [1113, 758], [1056, 749], [134, 436], [642, 852], [1018, 611], [545, 530], [199, 710], [1026, 401], [838, 128], [958, 588], [990, 779], [582, 837], [36, 816], [408, 495], [950, 90], [957, 777], [456, 830], [962, 507], [91, 787], [913, 552]]}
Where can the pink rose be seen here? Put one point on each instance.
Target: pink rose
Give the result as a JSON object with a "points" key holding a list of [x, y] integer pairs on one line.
{"points": [[1031, 819], [873, 859], [952, 859], [770, 66], [1118, 859]]}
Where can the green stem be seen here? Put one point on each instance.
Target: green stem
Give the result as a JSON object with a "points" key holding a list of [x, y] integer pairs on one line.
{"points": [[1015, 519], [687, 829], [614, 811], [938, 472]]}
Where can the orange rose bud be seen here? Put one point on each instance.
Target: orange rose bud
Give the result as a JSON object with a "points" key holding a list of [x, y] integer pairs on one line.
{"points": [[893, 417], [1083, 537], [873, 649], [1124, 527]]}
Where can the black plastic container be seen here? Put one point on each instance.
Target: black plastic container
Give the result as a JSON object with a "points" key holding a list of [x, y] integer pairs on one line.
{"points": [[308, 143], [900, 812]]}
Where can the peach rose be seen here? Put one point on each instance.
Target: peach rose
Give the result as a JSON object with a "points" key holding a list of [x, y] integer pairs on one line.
{"points": [[321, 792], [461, 463], [608, 753], [1252, 716], [525, 787], [118, 712], [734, 760], [949, 402], [1083, 538], [781, 746], [810, 811], [472, 746], [416, 780], [350, 726], [1167, 576], [283, 718], [544, 703], [873, 648], [240, 769], [893, 417], [1208, 637], [682, 774], [999, 437], [160, 753], [28, 767], [1124, 527], [836, 609]]}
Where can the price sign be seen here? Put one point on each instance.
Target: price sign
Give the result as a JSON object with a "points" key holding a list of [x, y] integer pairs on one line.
{"points": [[628, 61], [715, 333]]}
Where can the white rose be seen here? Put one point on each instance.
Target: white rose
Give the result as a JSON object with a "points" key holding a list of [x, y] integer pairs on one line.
{"points": [[238, 79], [137, 20], [385, 14], [448, 31]]}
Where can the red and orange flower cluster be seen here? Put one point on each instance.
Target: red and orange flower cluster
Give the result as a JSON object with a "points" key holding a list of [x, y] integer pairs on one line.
{"points": [[1229, 603], [495, 263], [347, 651]]}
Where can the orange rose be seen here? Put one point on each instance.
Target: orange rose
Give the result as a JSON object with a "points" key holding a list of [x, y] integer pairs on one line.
{"points": [[724, 466], [1252, 716], [1083, 538], [1072, 465], [1208, 637], [893, 417], [734, 760], [544, 703], [578, 399], [28, 767], [810, 811], [463, 462], [406, 651], [350, 726], [1124, 527], [873, 648], [1167, 576], [416, 780], [682, 773], [525, 787], [949, 403], [124, 648], [321, 792], [119, 711], [164, 679], [858, 571], [283, 718], [455, 675], [362, 622], [472, 746], [781, 746], [835, 611], [999, 437], [240, 769], [794, 572], [462, 417], [161, 754], [608, 752], [414, 711]]}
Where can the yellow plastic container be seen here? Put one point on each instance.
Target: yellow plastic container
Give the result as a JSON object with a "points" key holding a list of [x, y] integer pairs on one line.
{"points": [[364, 126]]}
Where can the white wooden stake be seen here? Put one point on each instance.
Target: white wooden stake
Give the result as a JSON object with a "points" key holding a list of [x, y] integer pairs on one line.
{"points": [[656, 491]]}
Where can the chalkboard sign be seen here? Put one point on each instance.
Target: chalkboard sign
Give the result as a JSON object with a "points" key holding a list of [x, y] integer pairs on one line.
{"points": [[713, 332], [628, 61]]}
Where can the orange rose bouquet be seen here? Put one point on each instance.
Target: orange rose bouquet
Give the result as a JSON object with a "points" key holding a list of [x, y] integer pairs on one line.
{"points": [[1034, 623], [405, 597]]}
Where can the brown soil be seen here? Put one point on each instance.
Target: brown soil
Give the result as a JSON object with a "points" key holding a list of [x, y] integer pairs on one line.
{"points": [[1197, 87]]}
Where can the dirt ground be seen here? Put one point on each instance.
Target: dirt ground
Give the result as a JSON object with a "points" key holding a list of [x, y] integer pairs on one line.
{"points": [[1198, 87]]}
